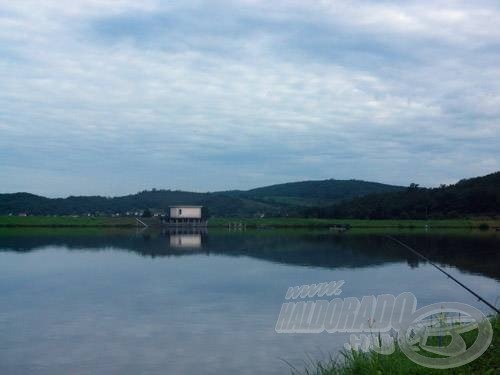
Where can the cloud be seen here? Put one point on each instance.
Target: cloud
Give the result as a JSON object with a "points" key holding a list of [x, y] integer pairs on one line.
{"points": [[215, 95]]}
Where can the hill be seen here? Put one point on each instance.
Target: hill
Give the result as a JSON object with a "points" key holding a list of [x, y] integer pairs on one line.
{"points": [[313, 193], [217, 204], [348, 199], [478, 196], [276, 200]]}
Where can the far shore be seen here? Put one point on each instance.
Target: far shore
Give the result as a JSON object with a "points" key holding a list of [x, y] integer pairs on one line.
{"points": [[116, 222]]}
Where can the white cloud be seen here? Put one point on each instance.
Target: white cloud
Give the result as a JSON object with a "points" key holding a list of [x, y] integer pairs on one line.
{"points": [[251, 93]]}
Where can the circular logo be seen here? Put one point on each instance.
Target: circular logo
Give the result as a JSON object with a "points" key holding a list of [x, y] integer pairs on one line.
{"points": [[445, 322]]}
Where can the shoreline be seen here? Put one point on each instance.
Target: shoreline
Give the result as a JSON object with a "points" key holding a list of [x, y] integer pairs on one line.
{"points": [[240, 223]]}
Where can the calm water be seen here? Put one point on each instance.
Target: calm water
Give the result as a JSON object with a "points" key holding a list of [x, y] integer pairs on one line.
{"points": [[154, 303]]}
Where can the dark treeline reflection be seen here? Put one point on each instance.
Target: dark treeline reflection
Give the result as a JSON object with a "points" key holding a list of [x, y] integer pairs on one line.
{"points": [[476, 254]]}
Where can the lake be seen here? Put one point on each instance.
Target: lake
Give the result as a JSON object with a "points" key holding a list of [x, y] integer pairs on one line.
{"points": [[86, 301]]}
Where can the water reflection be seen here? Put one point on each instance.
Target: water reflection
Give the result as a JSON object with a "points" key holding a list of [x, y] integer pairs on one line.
{"points": [[94, 302], [190, 241], [477, 254], [185, 238]]}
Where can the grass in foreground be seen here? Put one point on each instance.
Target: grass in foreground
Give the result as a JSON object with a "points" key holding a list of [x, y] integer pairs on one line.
{"points": [[351, 362]]}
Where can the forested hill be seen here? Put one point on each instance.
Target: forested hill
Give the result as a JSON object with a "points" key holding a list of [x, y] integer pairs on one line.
{"points": [[478, 196], [276, 200], [328, 198], [314, 193]]}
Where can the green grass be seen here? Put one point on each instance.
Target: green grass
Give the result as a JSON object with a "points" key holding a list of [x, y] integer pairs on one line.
{"points": [[65, 221], [351, 362], [68, 231], [71, 221], [304, 222]]}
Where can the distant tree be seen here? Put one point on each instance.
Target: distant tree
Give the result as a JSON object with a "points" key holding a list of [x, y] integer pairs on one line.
{"points": [[205, 213], [147, 213], [478, 196]]}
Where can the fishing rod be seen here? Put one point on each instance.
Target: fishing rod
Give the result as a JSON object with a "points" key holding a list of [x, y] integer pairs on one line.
{"points": [[443, 271]]}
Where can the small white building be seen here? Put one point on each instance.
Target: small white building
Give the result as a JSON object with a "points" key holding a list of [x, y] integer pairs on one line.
{"points": [[186, 215], [185, 212]]}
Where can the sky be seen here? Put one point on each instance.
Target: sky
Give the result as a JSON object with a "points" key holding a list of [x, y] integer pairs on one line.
{"points": [[111, 97]]}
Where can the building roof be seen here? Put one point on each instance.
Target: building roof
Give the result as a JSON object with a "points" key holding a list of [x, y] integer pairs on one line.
{"points": [[185, 205]]}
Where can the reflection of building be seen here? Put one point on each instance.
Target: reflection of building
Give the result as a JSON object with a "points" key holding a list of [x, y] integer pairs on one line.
{"points": [[186, 216], [184, 236], [185, 240]]}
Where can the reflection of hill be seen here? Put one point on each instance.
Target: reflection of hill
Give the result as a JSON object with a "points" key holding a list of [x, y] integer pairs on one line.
{"points": [[476, 254]]}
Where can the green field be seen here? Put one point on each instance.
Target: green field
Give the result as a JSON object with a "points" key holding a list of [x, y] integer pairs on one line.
{"points": [[65, 221], [72, 221], [353, 223]]}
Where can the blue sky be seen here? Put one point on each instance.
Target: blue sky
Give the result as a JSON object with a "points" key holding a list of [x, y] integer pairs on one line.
{"points": [[111, 97]]}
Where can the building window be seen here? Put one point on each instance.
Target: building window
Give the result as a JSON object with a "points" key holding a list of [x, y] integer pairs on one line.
{"points": [[180, 211]]}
